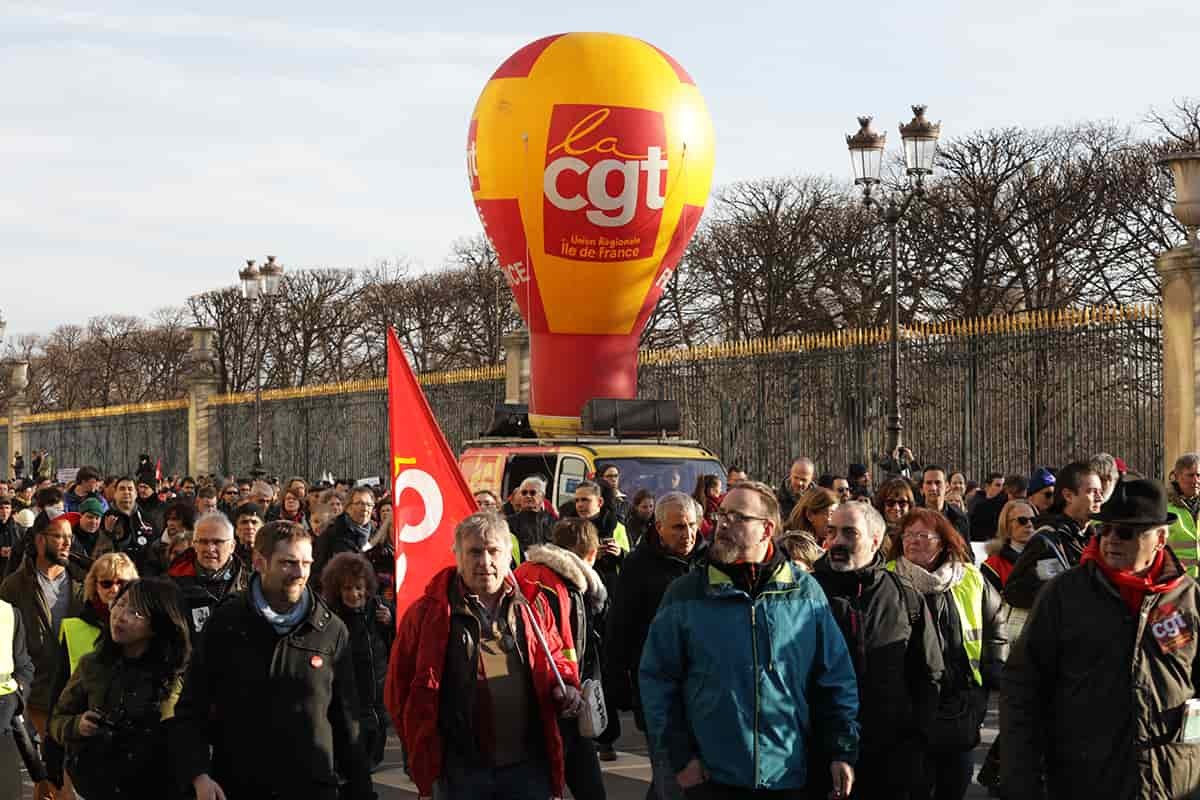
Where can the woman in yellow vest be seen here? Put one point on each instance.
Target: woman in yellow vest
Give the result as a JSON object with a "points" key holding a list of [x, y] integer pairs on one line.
{"points": [[110, 714], [77, 637], [966, 612]]}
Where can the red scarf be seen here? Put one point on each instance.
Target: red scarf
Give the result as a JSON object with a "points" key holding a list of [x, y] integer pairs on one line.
{"points": [[1133, 588]]}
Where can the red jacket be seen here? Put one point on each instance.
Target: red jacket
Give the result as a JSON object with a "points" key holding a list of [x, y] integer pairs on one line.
{"points": [[415, 676]]}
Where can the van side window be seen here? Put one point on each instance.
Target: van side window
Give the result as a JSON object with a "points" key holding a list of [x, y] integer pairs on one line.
{"points": [[571, 471]]}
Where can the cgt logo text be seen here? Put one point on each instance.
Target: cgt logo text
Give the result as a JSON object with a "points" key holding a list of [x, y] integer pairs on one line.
{"points": [[1169, 627], [609, 163]]}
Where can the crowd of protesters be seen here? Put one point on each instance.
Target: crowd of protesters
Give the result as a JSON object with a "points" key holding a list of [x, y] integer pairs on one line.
{"points": [[826, 638]]}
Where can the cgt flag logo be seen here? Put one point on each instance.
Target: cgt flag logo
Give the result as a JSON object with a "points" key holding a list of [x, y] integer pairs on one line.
{"points": [[429, 494], [605, 182]]}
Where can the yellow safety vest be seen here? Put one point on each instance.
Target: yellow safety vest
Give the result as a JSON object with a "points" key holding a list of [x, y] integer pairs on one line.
{"points": [[516, 548], [80, 637], [968, 601], [8, 632]]}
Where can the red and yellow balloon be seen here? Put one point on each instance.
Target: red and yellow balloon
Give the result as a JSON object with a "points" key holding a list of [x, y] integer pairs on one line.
{"points": [[590, 157]]}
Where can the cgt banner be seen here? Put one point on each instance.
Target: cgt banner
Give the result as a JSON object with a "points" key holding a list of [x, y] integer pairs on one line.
{"points": [[429, 494]]}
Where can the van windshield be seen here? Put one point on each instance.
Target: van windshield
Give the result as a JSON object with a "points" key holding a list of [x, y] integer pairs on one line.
{"points": [[661, 475]]}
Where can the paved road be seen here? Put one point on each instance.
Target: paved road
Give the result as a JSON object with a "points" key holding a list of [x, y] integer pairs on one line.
{"points": [[627, 778]]}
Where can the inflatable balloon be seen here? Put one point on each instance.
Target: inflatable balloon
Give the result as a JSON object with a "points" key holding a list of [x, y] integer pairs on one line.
{"points": [[590, 158]]}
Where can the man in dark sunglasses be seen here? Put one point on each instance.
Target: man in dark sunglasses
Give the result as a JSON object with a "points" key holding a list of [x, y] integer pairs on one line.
{"points": [[531, 523], [1096, 685]]}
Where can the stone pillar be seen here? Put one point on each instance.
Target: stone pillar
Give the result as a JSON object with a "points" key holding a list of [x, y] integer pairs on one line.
{"points": [[516, 366], [1180, 272], [201, 385], [18, 410]]}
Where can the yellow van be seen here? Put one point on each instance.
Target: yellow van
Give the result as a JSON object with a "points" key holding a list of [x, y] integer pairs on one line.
{"points": [[660, 465]]}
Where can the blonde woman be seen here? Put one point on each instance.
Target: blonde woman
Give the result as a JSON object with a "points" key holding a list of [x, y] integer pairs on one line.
{"points": [[109, 574], [812, 512]]}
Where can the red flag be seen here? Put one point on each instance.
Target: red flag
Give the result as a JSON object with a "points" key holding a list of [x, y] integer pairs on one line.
{"points": [[157, 471], [429, 494]]}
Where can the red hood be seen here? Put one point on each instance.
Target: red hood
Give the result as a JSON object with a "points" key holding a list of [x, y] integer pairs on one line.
{"points": [[184, 565]]}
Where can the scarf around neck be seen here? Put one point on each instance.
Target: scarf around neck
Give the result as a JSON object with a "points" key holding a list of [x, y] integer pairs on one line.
{"points": [[1132, 588], [282, 623], [942, 579]]}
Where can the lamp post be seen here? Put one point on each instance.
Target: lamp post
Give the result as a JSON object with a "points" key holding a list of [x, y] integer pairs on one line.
{"points": [[260, 286], [866, 159]]}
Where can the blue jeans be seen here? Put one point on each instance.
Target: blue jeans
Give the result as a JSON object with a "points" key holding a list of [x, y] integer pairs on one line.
{"points": [[529, 780]]}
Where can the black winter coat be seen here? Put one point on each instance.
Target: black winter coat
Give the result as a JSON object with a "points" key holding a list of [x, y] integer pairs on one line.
{"points": [[10, 536], [201, 595], [339, 537], [896, 652], [279, 711], [1060, 538], [370, 643], [644, 579], [531, 527], [1097, 693]]}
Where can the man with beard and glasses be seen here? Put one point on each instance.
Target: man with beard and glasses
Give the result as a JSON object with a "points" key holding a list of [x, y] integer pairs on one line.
{"points": [[271, 689], [44, 594], [745, 674], [896, 653]]}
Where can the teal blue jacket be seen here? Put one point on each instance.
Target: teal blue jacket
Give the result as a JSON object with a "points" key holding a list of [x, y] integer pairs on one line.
{"points": [[748, 685]]}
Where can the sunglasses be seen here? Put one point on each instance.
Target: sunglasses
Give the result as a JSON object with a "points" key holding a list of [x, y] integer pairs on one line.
{"points": [[529, 492], [898, 503], [1024, 520], [107, 584], [1123, 532]]}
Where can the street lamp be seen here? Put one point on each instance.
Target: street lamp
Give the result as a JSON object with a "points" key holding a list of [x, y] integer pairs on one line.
{"points": [[920, 138], [260, 286]]}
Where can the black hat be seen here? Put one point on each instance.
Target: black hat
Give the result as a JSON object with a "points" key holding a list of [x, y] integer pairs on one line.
{"points": [[857, 470], [1137, 502]]}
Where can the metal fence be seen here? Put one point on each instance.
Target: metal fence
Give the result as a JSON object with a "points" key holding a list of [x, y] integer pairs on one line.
{"points": [[111, 439], [1003, 394], [343, 429], [1000, 394]]}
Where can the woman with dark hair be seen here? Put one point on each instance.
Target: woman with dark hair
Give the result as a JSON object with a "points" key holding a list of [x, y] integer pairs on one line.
{"points": [[348, 585], [290, 508], [966, 613], [641, 517], [110, 714], [708, 494], [893, 500]]}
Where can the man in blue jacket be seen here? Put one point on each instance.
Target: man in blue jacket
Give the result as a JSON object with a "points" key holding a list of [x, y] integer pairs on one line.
{"points": [[745, 668]]}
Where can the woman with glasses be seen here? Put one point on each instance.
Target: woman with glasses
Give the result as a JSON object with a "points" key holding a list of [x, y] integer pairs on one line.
{"points": [[1013, 529], [110, 715], [812, 512], [290, 508], [966, 614], [78, 635], [893, 500]]}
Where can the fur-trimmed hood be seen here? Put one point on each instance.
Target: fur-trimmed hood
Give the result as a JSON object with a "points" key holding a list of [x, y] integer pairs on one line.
{"points": [[574, 570]]}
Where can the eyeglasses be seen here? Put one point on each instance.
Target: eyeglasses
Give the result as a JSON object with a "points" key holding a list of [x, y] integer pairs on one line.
{"points": [[210, 542], [896, 503], [1024, 520], [62, 537], [734, 517], [1123, 532], [919, 536], [108, 584], [361, 504], [230, 492]]}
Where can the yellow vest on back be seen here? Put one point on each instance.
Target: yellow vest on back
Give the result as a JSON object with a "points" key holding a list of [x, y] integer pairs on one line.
{"points": [[80, 637], [8, 631], [968, 601]]}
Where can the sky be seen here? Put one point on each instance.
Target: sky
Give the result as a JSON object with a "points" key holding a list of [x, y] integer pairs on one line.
{"points": [[144, 155]]}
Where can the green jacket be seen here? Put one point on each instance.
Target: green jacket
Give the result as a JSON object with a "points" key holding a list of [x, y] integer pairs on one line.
{"points": [[1182, 536], [21, 589]]}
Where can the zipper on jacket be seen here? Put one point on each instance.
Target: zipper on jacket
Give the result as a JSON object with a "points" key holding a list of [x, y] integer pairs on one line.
{"points": [[754, 647]]}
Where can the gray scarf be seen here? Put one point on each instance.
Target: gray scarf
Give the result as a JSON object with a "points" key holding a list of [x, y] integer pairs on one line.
{"points": [[942, 579]]}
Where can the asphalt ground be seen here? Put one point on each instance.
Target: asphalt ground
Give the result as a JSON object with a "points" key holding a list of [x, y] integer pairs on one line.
{"points": [[627, 778]]}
